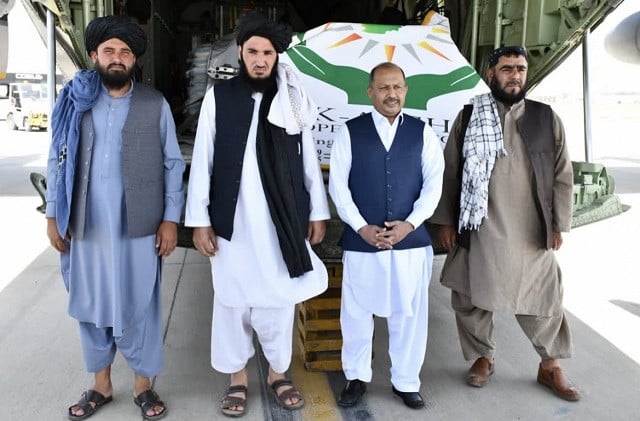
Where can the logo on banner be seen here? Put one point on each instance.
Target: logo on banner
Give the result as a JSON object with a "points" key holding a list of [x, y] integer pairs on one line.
{"points": [[334, 61]]}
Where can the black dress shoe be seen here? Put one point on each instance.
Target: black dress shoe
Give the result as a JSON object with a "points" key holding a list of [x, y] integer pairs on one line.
{"points": [[411, 399], [352, 392]]}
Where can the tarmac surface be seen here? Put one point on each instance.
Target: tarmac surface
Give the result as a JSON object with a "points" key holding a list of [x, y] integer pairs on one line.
{"points": [[42, 372]]}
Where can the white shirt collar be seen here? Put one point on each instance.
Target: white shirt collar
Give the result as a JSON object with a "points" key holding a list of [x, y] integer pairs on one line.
{"points": [[380, 120], [386, 130]]}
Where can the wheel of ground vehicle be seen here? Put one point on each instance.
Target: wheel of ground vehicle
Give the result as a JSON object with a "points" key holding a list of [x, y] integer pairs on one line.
{"points": [[11, 123], [26, 125]]}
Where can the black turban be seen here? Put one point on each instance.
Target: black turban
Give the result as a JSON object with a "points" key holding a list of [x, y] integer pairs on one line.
{"points": [[257, 24], [102, 29]]}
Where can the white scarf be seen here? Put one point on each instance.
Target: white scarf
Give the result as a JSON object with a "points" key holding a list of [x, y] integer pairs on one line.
{"points": [[292, 108], [483, 143]]}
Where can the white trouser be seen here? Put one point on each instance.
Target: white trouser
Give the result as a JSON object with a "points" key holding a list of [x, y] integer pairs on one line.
{"points": [[232, 336], [407, 341]]}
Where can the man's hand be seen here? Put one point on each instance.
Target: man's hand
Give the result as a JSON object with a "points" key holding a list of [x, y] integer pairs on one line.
{"points": [[204, 239], [395, 232], [316, 231], [557, 240], [166, 238], [447, 237], [369, 234], [54, 237]]}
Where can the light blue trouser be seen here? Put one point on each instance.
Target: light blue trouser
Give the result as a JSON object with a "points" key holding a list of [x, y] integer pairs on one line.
{"points": [[141, 344]]}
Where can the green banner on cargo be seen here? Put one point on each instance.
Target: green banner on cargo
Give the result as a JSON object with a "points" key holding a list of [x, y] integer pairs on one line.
{"points": [[334, 61]]}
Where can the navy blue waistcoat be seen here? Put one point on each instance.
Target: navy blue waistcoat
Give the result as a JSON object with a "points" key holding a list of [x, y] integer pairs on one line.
{"points": [[234, 109], [384, 185]]}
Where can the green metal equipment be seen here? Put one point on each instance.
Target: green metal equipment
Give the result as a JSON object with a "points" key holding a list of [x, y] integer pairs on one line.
{"points": [[593, 197]]}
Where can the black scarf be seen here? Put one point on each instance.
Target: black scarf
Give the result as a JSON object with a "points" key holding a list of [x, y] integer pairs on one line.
{"points": [[274, 166]]}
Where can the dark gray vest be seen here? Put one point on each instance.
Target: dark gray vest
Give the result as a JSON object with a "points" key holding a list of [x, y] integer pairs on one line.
{"points": [[142, 166], [536, 128]]}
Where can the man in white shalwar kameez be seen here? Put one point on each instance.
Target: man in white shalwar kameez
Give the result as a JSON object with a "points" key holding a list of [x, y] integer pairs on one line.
{"points": [[385, 179], [253, 131]]}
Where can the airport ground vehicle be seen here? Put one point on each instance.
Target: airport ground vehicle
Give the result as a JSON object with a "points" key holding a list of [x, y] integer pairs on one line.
{"points": [[25, 106]]}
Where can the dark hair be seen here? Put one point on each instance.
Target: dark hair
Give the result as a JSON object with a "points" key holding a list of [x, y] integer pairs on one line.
{"points": [[384, 65]]}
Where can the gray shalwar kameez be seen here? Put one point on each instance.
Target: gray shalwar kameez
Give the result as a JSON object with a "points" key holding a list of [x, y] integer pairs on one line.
{"points": [[114, 280], [506, 268]]}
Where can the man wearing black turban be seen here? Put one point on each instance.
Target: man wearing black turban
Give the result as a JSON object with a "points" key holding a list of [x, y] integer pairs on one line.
{"points": [[114, 147], [123, 30], [255, 24], [257, 205]]}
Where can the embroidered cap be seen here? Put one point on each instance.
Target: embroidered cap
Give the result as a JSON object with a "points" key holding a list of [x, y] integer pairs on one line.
{"points": [[504, 51]]}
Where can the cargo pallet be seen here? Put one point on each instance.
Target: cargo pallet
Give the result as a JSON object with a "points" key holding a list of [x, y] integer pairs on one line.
{"points": [[318, 325]]}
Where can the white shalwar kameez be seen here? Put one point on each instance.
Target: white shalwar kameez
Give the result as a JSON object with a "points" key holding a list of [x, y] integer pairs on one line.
{"points": [[391, 283], [249, 271]]}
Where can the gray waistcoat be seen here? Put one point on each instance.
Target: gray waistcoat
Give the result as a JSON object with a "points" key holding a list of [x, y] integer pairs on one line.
{"points": [[142, 166]]}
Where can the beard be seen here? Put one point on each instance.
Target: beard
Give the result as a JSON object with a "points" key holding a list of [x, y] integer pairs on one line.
{"points": [[258, 84], [505, 97], [114, 79]]}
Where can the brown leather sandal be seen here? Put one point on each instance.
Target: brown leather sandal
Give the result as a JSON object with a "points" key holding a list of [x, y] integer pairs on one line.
{"points": [[288, 394], [229, 402]]}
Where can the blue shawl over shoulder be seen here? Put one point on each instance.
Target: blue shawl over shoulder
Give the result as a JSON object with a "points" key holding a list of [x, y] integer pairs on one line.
{"points": [[77, 96]]}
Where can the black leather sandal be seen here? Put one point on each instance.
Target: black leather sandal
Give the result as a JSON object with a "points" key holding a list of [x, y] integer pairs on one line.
{"points": [[90, 402], [148, 400]]}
